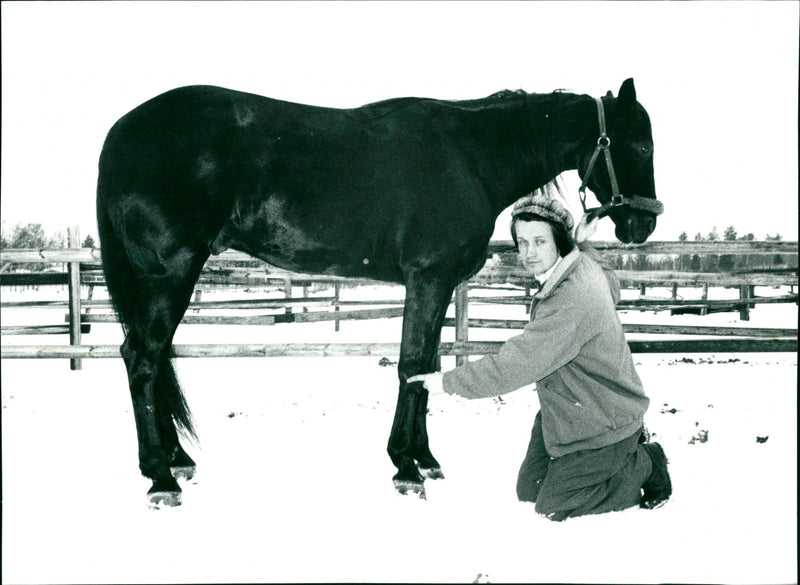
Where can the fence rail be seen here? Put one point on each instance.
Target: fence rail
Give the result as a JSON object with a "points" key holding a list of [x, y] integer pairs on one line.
{"points": [[459, 349], [233, 267]]}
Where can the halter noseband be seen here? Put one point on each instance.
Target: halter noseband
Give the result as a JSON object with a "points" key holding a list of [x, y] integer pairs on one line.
{"points": [[617, 200]]}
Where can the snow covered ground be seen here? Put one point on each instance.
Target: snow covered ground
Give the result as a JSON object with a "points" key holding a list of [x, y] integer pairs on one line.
{"points": [[294, 483]]}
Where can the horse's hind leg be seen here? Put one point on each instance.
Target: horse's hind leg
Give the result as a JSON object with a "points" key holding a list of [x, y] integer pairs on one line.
{"points": [[156, 397], [142, 358], [181, 465]]}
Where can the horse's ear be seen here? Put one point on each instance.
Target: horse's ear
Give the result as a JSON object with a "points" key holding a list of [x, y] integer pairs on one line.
{"points": [[627, 93], [609, 94]]}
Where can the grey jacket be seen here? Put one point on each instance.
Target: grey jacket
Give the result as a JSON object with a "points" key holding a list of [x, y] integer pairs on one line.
{"points": [[575, 350]]}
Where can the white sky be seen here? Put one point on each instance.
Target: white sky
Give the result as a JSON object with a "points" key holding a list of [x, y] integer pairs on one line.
{"points": [[719, 80]]}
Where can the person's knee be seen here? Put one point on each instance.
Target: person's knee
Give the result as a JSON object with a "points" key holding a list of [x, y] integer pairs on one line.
{"points": [[545, 508], [546, 503]]}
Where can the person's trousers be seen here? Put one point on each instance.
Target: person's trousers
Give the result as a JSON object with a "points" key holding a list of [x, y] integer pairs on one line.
{"points": [[585, 482]]}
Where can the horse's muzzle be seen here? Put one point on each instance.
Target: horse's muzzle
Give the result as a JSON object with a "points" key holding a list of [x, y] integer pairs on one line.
{"points": [[635, 227]]}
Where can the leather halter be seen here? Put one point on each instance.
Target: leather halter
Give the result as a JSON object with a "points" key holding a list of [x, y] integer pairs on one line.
{"points": [[617, 200]]}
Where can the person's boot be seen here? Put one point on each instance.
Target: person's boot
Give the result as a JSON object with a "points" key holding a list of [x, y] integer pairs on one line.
{"points": [[658, 487]]}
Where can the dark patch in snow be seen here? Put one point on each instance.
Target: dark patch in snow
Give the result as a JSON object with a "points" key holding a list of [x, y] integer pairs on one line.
{"points": [[700, 437], [386, 362], [709, 360], [762, 439]]}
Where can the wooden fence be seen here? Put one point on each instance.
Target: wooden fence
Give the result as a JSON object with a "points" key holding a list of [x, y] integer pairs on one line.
{"points": [[746, 264]]}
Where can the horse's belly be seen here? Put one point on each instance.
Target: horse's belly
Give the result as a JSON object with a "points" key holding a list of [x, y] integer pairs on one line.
{"points": [[332, 249], [328, 262]]}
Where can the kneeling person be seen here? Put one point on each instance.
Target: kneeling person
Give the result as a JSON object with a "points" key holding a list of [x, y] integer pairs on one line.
{"points": [[587, 452]]}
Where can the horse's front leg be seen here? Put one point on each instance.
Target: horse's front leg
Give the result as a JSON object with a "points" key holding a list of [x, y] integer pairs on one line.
{"points": [[426, 303]]}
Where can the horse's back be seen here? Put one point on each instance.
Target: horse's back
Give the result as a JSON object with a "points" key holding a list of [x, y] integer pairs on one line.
{"points": [[204, 113], [191, 140], [304, 187], [200, 145]]}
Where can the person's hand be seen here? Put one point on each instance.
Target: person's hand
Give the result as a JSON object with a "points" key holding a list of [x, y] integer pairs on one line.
{"points": [[585, 228], [432, 382]]}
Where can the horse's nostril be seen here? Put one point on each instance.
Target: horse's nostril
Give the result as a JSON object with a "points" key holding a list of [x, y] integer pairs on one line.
{"points": [[650, 225]]}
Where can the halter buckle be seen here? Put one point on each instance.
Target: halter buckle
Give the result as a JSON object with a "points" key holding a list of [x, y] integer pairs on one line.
{"points": [[604, 141]]}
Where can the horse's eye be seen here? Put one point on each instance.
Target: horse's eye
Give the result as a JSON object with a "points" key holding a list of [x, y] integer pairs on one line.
{"points": [[644, 150]]}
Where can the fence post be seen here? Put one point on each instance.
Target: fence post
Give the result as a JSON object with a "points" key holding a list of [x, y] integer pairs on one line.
{"points": [[462, 318], [74, 275], [287, 293], [744, 310], [704, 309], [337, 289]]}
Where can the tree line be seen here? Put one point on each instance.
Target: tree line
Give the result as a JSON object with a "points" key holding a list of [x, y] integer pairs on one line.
{"points": [[32, 235], [729, 234]]}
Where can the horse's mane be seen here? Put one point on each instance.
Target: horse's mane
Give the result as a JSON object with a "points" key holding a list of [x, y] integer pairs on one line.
{"points": [[385, 107], [553, 190], [499, 98], [543, 109], [506, 93], [554, 104]]}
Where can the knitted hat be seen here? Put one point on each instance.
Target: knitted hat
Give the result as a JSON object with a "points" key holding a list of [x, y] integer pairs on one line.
{"points": [[544, 206]]}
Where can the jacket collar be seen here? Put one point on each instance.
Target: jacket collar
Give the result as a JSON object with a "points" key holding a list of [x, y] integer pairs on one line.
{"points": [[545, 276], [564, 267]]}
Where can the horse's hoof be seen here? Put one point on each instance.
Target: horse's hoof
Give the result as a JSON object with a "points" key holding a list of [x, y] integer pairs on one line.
{"points": [[406, 487], [432, 473], [156, 500], [183, 472]]}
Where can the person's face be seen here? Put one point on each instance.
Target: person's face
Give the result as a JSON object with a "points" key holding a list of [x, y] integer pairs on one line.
{"points": [[537, 248]]}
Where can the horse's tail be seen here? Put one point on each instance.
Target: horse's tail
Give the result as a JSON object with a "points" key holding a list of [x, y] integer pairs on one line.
{"points": [[123, 286]]}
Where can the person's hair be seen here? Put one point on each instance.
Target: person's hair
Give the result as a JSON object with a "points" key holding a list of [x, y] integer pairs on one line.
{"points": [[563, 239]]}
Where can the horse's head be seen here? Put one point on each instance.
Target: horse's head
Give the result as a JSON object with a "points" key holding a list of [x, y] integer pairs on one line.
{"points": [[626, 186]]}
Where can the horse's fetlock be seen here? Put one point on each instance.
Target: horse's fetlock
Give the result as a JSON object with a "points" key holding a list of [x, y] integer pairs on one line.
{"points": [[154, 464]]}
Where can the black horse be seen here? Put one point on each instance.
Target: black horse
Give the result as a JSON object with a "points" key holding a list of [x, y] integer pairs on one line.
{"points": [[405, 190]]}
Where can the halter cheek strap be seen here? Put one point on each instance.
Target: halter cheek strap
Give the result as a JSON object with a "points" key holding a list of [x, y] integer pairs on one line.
{"points": [[617, 200]]}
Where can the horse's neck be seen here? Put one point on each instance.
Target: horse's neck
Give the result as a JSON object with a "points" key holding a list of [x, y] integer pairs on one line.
{"points": [[557, 124]]}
